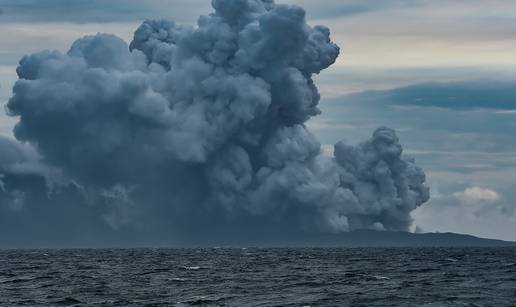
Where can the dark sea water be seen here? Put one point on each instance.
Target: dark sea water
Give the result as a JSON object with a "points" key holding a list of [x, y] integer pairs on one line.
{"points": [[260, 277]]}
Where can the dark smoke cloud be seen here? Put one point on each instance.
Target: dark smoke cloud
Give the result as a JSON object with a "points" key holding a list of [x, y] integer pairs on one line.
{"points": [[194, 133]]}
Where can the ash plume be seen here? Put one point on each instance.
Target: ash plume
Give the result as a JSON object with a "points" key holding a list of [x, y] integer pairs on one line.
{"points": [[197, 131]]}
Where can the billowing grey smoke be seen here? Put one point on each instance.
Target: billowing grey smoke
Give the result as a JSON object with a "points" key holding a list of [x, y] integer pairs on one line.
{"points": [[200, 131]]}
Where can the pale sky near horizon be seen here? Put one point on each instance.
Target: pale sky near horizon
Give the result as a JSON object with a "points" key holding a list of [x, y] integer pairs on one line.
{"points": [[462, 131]]}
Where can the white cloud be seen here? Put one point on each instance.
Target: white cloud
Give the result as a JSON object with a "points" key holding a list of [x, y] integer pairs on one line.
{"points": [[476, 195]]}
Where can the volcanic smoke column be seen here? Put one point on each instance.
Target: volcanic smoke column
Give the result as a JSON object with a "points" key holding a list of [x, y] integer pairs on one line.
{"points": [[206, 125]]}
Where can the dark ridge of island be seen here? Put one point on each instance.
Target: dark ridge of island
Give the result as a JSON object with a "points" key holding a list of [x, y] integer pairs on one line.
{"points": [[365, 238], [264, 239], [371, 238]]}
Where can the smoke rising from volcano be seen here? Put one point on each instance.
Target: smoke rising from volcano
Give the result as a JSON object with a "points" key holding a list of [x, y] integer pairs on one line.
{"points": [[198, 130]]}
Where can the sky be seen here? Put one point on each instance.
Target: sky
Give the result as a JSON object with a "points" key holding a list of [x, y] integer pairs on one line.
{"points": [[442, 73]]}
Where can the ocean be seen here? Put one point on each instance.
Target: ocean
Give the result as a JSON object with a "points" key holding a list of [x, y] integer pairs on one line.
{"points": [[259, 277]]}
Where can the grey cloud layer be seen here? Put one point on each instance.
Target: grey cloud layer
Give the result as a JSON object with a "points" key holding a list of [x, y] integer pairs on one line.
{"points": [[199, 132], [184, 10], [82, 11], [453, 95]]}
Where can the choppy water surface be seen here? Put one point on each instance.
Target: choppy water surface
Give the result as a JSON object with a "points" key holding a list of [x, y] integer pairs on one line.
{"points": [[260, 277]]}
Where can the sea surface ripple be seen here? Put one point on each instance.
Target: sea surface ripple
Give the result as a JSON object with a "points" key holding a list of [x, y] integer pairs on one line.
{"points": [[259, 277]]}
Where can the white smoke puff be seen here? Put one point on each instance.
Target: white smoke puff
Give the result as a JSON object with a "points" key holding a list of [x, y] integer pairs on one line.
{"points": [[21, 159], [119, 209], [209, 122], [13, 153]]}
